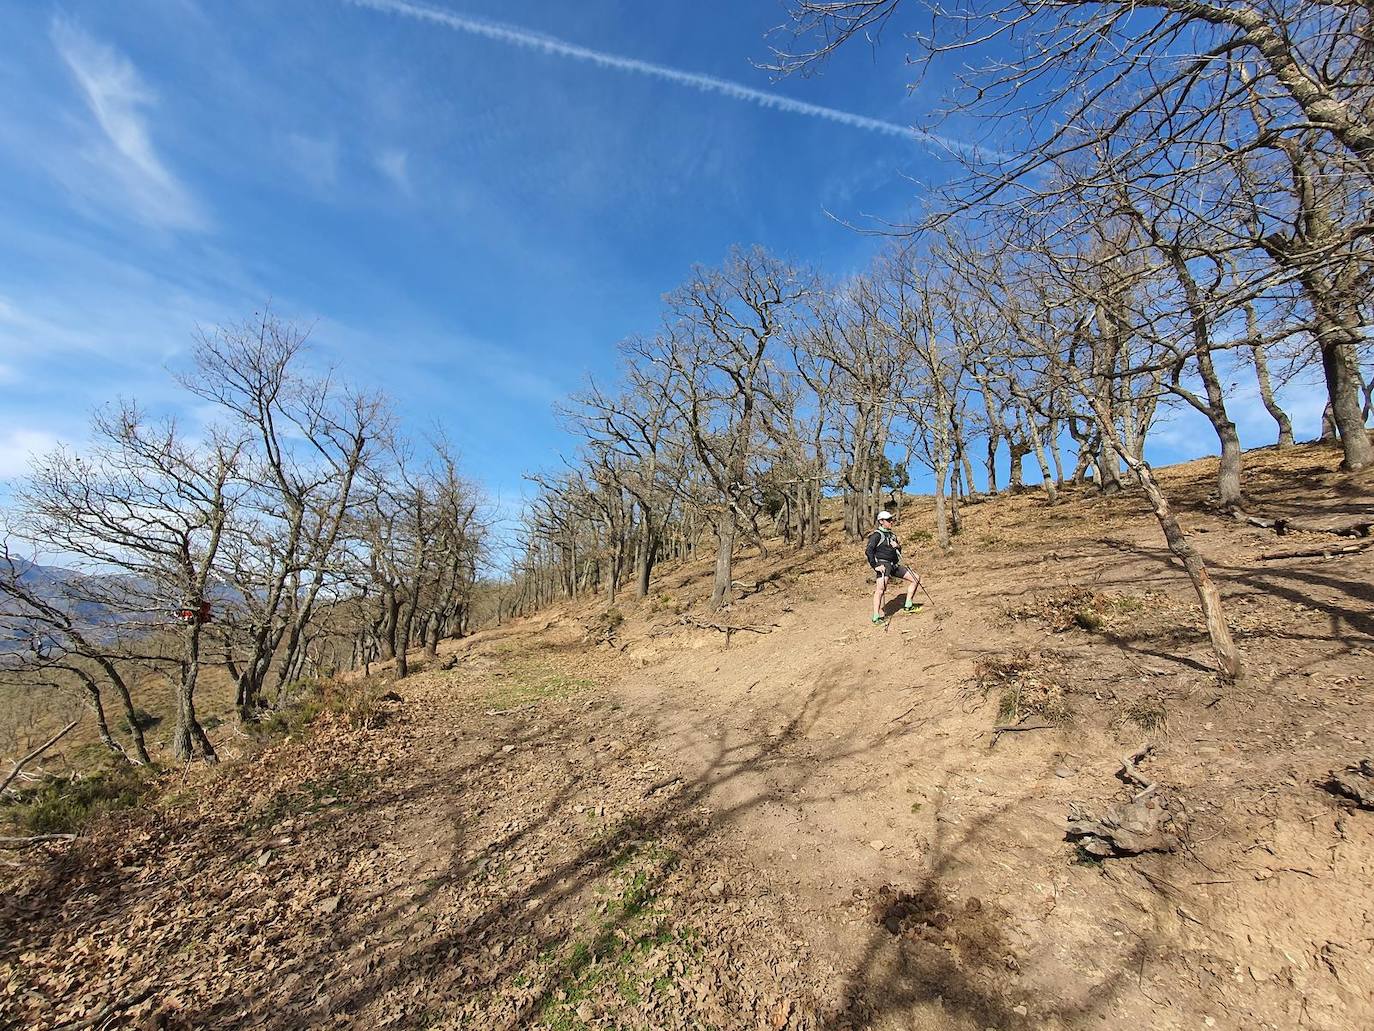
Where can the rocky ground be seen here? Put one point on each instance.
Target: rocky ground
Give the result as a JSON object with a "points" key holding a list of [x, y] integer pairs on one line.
{"points": [[810, 822]]}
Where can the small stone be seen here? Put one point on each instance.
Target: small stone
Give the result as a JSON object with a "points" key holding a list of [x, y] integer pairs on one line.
{"points": [[507, 748], [264, 857], [877, 844], [1063, 771], [1020, 1011], [330, 905], [717, 888]]}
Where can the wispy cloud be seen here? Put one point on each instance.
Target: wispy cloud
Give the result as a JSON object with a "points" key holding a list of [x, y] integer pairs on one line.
{"points": [[515, 36], [123, 153], [395, 165]]}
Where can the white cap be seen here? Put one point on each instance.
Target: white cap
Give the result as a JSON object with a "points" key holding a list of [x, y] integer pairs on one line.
{"points": [[884, 515]]}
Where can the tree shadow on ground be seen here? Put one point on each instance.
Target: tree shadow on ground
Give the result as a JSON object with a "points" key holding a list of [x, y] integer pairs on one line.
{"points": [[318, 986]]}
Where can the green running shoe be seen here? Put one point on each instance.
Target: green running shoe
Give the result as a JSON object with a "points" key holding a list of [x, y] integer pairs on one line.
{"points": [[912, 607], [879, 619]]}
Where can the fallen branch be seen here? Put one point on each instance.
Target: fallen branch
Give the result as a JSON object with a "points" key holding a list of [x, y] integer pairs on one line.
{"points": [[1318, 551], [726, 629], [19, 766], [658, 786], [1283, 525], [1130, 775], [507, 712], [1012, 728], [1008, 728], [37, 839]]}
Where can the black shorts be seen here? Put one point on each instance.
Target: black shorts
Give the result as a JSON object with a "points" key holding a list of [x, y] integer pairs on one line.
{"points": [[895, 572]]}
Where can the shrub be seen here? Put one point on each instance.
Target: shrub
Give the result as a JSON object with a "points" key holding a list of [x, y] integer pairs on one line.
{"points": [[357, 701], [1027, 685], [65, 805]]}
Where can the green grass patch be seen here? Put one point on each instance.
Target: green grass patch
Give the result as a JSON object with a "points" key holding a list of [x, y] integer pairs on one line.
{"points": [[66, 805], [630, 952], [532, 682]]}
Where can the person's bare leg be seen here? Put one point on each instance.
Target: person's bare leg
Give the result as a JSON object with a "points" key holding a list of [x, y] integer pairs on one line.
{"points": [[912, 580], [878, 593]]}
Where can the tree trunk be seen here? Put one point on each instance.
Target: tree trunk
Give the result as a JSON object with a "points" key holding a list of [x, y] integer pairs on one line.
{"points": [[1108, 470], [1329, 433], [647, 553], [97, 704], [941, 515], [1229, 494], [130, 714], [1266, 392], [1018, 454], [188, 733], [725, 555], [1340, 364], [1228, 655], [434, 626], [1032, 433]]}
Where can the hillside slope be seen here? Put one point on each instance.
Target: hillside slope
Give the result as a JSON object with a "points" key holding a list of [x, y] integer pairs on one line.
{"points": [[808, 823]]}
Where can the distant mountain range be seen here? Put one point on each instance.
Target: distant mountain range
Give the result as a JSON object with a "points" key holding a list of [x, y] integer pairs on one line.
{"points": [[64, 588], [71, 590]]}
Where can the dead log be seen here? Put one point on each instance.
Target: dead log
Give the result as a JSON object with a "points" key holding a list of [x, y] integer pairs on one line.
{"points": [[1144, 824], [1282, 525], [1318, 551]]}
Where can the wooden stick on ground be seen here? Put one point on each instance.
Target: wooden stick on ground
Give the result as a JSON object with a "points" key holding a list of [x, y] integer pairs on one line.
{"points": [[727, 630], [1013, 728], [37, 839], [1318, 551], [19, 766], [1131, 775]]}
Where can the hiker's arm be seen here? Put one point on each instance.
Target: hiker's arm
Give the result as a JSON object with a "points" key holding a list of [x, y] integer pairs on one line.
{"points": [[871, 552]]}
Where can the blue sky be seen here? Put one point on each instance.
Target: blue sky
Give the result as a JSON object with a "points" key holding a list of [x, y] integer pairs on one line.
{"points": [[471, 216]]}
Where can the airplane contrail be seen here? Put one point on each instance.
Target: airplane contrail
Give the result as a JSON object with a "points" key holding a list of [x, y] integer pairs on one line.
{"points": [[519, 37]]}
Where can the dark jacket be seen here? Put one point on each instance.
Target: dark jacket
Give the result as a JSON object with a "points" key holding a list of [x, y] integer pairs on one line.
{"points": [[883, 546]]}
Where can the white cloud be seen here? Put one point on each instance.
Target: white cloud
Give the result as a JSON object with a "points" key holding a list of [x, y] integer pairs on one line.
{"points": [[122, 155], [395, 165], [17, 446]]}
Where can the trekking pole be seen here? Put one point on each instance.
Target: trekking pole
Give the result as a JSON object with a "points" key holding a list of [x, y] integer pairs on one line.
{"points": [[928, 594]]}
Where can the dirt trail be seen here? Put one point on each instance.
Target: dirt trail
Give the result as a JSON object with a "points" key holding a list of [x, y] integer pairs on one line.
{"points": [[812, 827], [849, 757]]}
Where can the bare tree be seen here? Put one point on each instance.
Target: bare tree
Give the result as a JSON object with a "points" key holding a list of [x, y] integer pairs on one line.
{"points": [[725, 321], [310, 438], [153, 508]]}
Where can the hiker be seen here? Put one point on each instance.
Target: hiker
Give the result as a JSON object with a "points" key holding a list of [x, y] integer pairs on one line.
{"points": [[884, 554]]}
